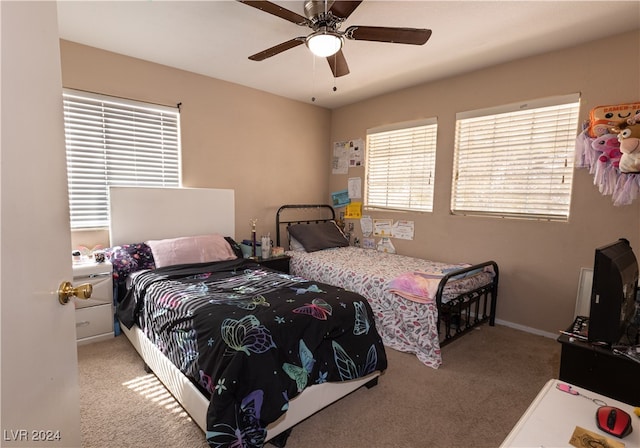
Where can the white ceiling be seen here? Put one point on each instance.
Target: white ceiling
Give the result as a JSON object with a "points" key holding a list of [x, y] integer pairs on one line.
{"points": [[214, 38]]}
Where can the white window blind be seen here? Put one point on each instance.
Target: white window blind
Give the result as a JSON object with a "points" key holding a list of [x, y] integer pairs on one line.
{"points": [[400, 166], [516, 160], [112, 141]]}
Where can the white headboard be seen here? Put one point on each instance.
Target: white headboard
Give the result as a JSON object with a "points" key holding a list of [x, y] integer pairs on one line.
{"points": [[138, 214]]}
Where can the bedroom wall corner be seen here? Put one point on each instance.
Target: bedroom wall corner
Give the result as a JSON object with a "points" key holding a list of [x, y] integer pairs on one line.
{"points": [[269, 149], [539, 261]]}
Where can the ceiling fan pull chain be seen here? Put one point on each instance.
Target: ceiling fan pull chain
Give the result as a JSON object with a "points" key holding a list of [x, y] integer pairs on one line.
{"points": [[335, 58], [313, 80]]}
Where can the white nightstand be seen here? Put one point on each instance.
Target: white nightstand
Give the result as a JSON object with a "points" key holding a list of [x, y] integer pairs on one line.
{"points": [[94, 316]]}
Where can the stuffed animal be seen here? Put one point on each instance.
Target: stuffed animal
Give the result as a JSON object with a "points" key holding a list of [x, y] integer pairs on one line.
{"points": [[629, 136], [602, 118], [609, 146]]}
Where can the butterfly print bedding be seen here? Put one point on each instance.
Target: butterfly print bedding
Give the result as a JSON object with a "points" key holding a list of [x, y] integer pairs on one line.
{"points": [[252, 339]]}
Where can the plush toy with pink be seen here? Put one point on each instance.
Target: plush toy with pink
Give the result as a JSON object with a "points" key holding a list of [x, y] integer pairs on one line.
{"points": [[609, 147]]}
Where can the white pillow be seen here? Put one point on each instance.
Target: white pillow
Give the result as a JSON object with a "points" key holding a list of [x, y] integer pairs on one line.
{"points": [[190, 249], [295, 245]]}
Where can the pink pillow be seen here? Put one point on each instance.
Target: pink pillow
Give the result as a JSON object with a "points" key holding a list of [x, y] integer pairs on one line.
{"points": [[190, 249]]}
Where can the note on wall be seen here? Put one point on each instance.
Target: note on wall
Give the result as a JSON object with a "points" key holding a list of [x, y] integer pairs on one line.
{"points": [[355, 187], [340, 162], [347, 154], [382, 227], [340, 198], [356, 153], [385, 245], [353, 210], [366, 225], [368, 243], [403, 230]]}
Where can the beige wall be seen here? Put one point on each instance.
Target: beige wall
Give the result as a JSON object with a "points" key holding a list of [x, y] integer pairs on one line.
{"points": [[230, 134], [269, 149], [539, 261]]}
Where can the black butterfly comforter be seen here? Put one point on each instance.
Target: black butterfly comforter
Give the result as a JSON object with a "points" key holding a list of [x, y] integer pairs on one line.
{"points": [[252, 338]]}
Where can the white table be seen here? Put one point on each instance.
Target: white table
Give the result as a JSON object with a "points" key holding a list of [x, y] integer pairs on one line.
{"points": [[553, 416]]}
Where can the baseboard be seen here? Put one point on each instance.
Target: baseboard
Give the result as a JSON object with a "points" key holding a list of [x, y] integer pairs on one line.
{"points": [[526, 329]]}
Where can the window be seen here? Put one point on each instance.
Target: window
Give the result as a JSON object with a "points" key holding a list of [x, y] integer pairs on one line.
{"points": [[400, 166], [516, 160], [112, 141]]}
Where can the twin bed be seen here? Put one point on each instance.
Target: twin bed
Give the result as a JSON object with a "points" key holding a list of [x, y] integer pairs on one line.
{"points": [[419, 305], [249, 352]]}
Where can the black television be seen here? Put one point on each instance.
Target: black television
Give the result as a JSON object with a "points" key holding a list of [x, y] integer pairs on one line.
{"points": [[613, 292]]}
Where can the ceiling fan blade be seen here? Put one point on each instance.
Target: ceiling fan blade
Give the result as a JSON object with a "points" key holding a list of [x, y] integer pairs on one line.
{"points": [[277, 11], [277, 49], [344, 9], [338, 64], [413, 36]]}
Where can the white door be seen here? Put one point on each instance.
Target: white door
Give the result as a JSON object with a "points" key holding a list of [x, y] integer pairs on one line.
{"points": [[39, 376]]}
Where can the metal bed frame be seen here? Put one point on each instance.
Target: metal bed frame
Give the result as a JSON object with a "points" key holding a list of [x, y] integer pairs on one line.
{"points": [[455, 317]]}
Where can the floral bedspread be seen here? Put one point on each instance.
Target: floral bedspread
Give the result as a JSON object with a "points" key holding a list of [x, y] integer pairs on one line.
{"points": [[403, 324]]}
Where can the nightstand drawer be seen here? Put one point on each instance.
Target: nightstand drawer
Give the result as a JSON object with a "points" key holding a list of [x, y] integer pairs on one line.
{"points": [[100, 277], [102, 290], [94, 321]]}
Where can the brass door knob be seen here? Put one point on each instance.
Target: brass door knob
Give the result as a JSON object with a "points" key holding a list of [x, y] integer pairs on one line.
{"points": [[66, 290]]}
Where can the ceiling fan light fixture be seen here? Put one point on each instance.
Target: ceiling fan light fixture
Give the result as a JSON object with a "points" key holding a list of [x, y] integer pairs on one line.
{"points": [[324, 43]]}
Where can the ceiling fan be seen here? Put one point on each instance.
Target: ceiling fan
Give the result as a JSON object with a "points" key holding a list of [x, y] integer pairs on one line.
{"points": [[326, 40]]}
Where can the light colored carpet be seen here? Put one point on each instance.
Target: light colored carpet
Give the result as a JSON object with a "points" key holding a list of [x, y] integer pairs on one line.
{"points": [[487, 380]]}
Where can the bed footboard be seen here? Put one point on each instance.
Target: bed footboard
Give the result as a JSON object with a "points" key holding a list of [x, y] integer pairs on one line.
{"points": [[468, 310]]}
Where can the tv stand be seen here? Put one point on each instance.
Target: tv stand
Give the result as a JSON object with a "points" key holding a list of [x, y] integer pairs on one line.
{"points": [[599, 368]]}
